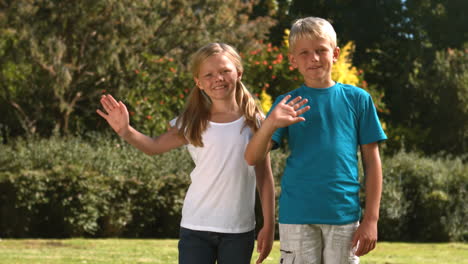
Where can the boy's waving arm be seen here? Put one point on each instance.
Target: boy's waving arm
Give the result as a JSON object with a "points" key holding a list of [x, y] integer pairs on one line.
{"points": [[283, 114]]}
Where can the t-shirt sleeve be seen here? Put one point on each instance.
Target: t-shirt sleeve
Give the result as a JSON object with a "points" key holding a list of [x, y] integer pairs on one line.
{"points": [[370, 129], [173, 122], [280, 132]]}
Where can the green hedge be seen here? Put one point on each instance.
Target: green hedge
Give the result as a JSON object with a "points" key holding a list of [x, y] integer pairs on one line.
{"points": [[424, 199], [99, 186]]}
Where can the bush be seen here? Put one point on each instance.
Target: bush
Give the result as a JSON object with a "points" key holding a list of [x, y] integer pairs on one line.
{"points": [[424, 199], [99, 186]]}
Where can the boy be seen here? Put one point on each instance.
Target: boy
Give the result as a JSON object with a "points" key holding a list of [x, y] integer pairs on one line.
{"points": [[319, 203]]}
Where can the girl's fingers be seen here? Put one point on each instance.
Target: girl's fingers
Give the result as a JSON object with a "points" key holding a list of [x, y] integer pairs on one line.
{"points": [[122, 106], [101, 114], [106, 104], [113, 102]]}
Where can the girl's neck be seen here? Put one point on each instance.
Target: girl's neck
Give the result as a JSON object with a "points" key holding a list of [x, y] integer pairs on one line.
{"points": [[225, 112]]}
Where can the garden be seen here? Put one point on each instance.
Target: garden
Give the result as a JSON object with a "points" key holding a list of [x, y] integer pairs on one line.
{"points": [[72, 191]]}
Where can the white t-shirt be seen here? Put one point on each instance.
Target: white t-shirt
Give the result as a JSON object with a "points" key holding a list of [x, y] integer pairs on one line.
{"points": [[221, 197]]}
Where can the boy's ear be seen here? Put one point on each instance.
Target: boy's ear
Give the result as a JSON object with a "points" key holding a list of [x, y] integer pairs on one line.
{"points": [[292, 60], [336, 54]]}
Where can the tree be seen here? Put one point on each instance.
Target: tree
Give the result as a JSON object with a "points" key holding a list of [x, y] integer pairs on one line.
{"points": [[395, 42], [442, 87], [74, 50]]}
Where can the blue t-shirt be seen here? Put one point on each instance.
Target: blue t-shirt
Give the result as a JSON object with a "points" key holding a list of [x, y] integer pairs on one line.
{"points": [[320, 183]]}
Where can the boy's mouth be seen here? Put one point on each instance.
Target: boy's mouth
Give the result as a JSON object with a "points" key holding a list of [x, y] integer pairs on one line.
{"points": [[313, 68]]}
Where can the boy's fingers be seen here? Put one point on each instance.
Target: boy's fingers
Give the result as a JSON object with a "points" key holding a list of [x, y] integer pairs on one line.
{"points": [[363, 248], [301, 103], [302, 110], [294, 101], [299, 119], [285, 99]]}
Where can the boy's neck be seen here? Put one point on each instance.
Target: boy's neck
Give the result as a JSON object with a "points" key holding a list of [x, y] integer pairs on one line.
{"points": [[319, 84]]}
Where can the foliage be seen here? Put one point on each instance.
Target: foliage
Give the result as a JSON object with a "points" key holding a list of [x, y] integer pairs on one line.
{"points": [[393, 40], [158, 93], [98, 187], [424, 199], [343, 70], [101, 187], [60, 56], [267, 70], [443, 87]]}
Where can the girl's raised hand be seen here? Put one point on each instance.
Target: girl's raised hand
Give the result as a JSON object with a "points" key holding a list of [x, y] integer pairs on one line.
{"points": [[117, 114], [287, 113]]}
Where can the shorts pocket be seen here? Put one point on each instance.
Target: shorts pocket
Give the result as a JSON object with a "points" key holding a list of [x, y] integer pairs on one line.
{"points": [[287, 257]]}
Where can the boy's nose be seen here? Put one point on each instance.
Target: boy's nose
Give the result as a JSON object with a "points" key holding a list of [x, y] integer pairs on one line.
{"points": [[314, 56]]}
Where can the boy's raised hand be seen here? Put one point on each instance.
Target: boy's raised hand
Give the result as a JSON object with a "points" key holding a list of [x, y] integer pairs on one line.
{"points": [[117, 114], [287, 113]]}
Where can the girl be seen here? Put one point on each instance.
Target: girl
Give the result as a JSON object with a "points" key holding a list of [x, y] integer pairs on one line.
{"points": [[220, 117]]}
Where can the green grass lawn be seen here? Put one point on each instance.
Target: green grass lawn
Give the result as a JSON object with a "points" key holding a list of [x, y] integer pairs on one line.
{"points": [[116, 251]]}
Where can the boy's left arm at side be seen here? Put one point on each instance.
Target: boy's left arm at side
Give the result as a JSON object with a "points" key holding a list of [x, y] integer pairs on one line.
{"points": [[366, 234]]}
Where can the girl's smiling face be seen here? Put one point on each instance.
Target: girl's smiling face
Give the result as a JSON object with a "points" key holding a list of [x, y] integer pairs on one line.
{"points": [[314, 59], [218, 77]]}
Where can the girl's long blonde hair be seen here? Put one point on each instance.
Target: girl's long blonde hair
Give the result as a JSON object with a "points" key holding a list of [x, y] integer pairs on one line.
{"points": [[194, 118]]}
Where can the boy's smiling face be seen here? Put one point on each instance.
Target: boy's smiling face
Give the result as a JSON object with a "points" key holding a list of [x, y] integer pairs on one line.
{"points": [[314, 58]]}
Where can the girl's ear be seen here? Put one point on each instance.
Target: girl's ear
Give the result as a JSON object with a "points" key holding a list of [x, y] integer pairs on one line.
{"points": [[197, 83], [239, 75], [336, 54]]}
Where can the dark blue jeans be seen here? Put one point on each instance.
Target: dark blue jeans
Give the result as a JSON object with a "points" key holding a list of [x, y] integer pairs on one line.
{"points": [[203, 247]]}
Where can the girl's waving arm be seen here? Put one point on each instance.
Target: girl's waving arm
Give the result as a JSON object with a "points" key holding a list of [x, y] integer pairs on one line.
{"points": [[116, 114]]}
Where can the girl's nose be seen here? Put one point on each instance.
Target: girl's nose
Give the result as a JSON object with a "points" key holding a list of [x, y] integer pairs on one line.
{"points": [[219, 77]]}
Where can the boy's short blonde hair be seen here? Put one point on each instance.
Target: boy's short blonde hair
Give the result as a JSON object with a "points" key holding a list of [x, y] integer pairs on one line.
{"points": [[311, 28]]}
